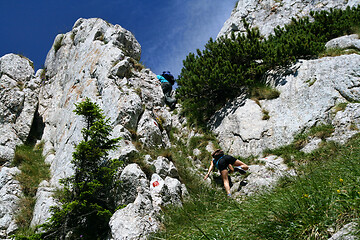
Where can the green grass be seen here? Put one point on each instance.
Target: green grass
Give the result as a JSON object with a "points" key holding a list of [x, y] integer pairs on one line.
{"points": [[261, 91], [334, 52], [324, 195], [340, 107], [58, 43], [200, 142], [33, 170]]}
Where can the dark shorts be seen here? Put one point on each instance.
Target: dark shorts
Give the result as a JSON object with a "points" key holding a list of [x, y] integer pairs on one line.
{"points": [[225, 161]]}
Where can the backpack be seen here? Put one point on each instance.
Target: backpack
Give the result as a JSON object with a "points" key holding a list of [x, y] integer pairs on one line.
{"points": [[169, 77], [216, 162]]}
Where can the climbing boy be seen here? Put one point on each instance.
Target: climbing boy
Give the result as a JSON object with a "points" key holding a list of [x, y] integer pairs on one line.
{"points": [[167, 80]]}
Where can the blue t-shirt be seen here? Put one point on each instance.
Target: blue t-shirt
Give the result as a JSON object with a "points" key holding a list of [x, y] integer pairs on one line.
{"points": [[162, 79]]}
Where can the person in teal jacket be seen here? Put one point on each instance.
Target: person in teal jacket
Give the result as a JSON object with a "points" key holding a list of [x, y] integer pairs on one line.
{"points": [[167, 80]]}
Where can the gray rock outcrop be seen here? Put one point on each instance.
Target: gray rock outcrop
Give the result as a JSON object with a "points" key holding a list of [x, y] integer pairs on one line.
{"points": [[142, 201], [18, 103], [133, 181], [99, 61], [308, 96], [267, 14], [263, 176], [346, 232], [10, 193], [136, 221], [44, 201]]}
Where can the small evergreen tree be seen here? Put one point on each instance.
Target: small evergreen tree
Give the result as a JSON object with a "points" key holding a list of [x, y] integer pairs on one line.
{"points": [[87, 200]]}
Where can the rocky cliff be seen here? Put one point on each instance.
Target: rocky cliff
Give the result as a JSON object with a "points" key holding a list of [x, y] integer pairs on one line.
{"points": [[18, 105], [309, 90], [100, 61], [309, 93]]}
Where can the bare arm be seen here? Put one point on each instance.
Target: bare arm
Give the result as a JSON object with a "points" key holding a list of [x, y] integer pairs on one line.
{"points": [[210, 169]]}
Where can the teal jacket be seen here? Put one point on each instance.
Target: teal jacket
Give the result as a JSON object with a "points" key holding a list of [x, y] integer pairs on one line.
{"points": [[162, 79]]}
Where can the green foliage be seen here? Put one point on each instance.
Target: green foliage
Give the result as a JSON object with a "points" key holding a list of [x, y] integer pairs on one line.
{"points": [[261, 92], [33, 168], [58, 43], [200, 142], [324, 195], [136, 64], [333, 52], [229, 66], [218, 74], [88, 200], [43, 76], [29, 235]]}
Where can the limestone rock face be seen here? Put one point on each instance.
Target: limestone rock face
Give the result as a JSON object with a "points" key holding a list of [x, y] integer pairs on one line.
{"points": [[135, 221], [164, 167], [10, 192], [166, 191], [346, 123], [133, 181], [44, 201], [95, 60], [308, 96], [98, 60], [18, 103], [267, 14]]}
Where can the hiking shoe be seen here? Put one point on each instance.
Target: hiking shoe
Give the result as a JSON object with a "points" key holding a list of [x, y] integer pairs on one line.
{"points": [[239, 169], [243, 183]]}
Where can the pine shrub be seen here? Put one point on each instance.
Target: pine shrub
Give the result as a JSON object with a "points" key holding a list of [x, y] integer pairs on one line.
{"points": [[229, 66]]}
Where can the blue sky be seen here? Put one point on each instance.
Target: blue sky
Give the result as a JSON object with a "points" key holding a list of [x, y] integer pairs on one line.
{"points": [[166, 30]]}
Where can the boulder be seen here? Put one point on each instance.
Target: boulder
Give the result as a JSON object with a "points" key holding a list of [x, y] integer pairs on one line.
{"points": [[136, 221], [149, 132], [165, 168], [263, 177], [313, 144], [346, 123], [344, 42], [156, 190], [175, 192], [132, 182], [168, 191]]}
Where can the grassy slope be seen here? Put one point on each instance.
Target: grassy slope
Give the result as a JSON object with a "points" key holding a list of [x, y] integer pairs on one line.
{"points": [[33, 170], [324, 197]]}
